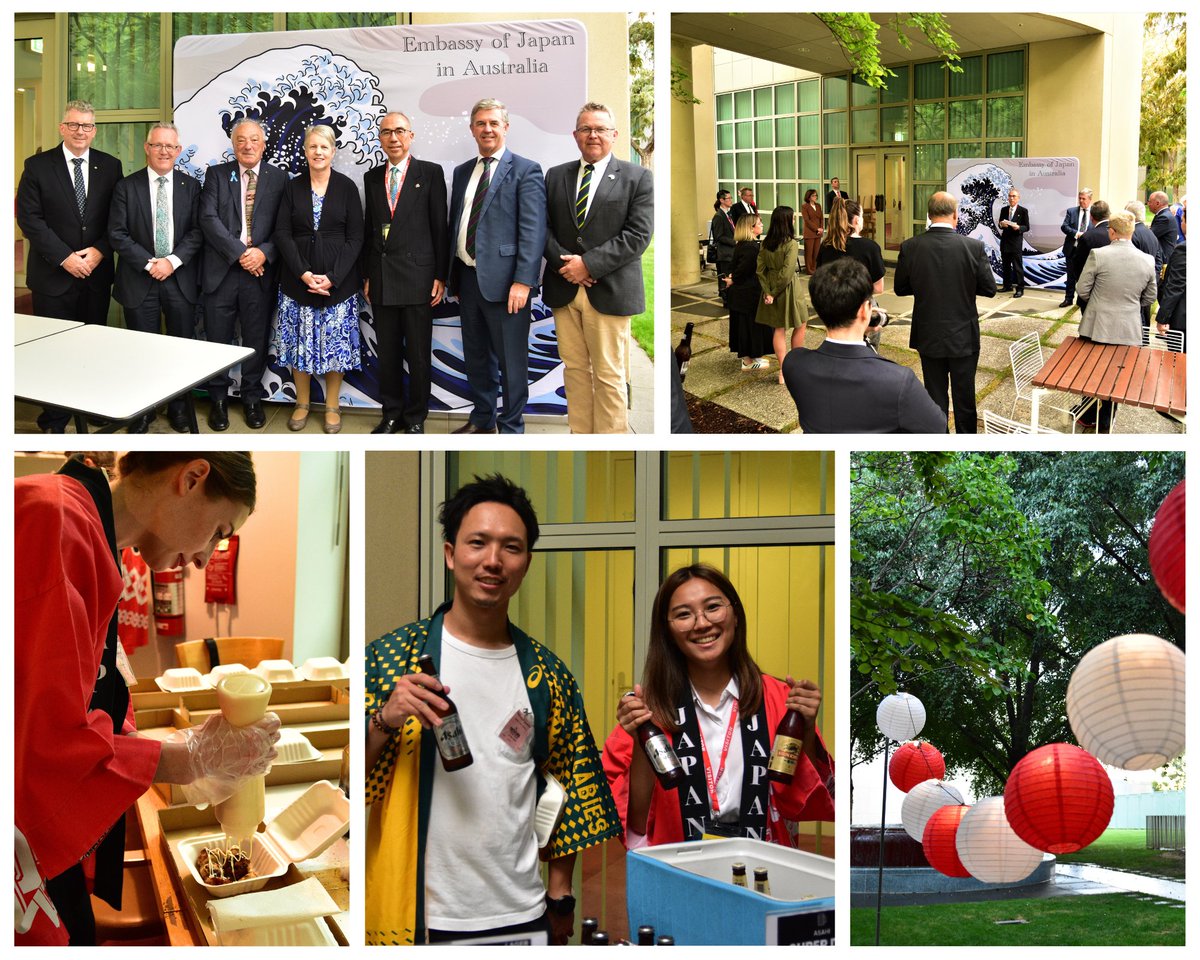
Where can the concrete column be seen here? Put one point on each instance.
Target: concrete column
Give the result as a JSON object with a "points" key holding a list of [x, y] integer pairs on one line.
{"points": [[685, 262]]}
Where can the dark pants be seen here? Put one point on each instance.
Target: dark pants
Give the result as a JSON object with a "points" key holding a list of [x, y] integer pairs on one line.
{"points": [[250, 301], [74, 905], [404, 334], [1012, 269], [496, 354], [83, 303], [960, 371], [164, 302], [1071, 276], [541, 924]]}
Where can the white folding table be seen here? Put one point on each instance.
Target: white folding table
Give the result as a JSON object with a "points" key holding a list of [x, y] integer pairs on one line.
{"points": [[27, 328]]}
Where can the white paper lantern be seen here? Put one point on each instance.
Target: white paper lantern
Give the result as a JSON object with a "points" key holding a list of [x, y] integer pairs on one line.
{"points": [[990, 849], [900, 716], [922, 801], [1125, 702]]}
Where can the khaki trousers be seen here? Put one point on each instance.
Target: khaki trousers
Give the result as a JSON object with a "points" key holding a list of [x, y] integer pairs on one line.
{"points": [[594, 348]]}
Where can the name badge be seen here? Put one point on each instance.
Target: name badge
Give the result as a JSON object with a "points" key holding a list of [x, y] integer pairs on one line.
{"points": [[384, 230], [517, 730]]}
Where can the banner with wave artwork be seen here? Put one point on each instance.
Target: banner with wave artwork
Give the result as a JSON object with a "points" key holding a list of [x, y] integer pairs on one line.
{"points": [[350, 79]]}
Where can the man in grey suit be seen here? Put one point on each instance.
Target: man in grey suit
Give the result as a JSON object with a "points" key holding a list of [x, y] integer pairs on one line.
{"points": [[601, 213], [238, 206], [154, 226], [1117, 281], [498, 234]]}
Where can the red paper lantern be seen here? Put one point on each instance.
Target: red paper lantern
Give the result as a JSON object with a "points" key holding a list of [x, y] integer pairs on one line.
{"points": [[1058, 798], [915, 762], [1167, 553], [940, 841]]}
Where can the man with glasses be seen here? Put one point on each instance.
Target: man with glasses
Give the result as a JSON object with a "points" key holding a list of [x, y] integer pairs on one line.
{"points": [[404, 261], [601, 212], [154, 226], [63, 202]]}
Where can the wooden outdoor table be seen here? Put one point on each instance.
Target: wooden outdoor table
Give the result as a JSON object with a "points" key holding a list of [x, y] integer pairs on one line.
{"points": [[1135, 376]]}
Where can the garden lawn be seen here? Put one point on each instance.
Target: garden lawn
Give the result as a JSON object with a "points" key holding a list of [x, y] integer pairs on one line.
{"points": [[1126, 850], [1121, 919], [643, 324]]}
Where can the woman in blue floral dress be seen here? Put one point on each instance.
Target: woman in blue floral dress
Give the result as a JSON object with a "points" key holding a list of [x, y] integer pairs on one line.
{"points": [[319, 233]]}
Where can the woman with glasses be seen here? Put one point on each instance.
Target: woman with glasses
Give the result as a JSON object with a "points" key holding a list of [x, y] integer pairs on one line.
{"points": [[702, 687]]}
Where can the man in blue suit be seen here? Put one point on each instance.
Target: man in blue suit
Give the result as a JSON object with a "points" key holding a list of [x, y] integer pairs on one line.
{"points": [[498, 233], [238, 206]]}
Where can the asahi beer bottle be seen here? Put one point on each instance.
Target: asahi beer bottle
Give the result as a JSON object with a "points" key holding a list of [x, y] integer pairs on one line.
{"points": [[761, 883], [662, 756], [600, 939], [645, 937], [789, 745], [665, 941], [589, 926], [451, 740], [739, 875]]}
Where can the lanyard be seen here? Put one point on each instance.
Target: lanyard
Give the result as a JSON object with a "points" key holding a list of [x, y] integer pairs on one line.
{"points": [[708, 774]]}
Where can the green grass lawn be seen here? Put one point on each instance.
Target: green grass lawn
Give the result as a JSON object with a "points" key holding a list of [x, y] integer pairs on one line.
{"points": [[643, 323], [1096, 920], [1126, 850]]}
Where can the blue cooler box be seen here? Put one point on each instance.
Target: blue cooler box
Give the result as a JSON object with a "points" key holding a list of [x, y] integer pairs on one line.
{"points": [[685, 890]]}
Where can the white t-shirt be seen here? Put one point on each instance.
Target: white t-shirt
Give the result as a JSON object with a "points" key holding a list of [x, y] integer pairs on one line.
{"points": [[481, 863]]}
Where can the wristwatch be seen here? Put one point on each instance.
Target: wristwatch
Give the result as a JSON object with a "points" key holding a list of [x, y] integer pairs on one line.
{"points": [[562, 906]]}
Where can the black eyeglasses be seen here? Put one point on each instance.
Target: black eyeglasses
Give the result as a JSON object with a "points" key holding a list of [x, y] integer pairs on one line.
{"points": [[73, 126], [393, 131]]}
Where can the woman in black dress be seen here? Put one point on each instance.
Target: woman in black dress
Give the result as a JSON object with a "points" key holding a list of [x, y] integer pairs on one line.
{"points": [[749, 340], [721, 232], [844, 240]]}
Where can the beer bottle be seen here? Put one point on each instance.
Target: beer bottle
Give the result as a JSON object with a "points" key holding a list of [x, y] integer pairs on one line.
{"points": [[761, 883], [645, 936], [451, 740], [683, 350], [661, 754], [739, 875], [666, 941], [600, 939], [589, 926], [789, 745]]}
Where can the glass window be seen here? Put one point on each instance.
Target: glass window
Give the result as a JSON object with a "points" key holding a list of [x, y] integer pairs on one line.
{"points": [[896, 90], [764, 165], [743, 135], [835, 127], [746, 483], [113, 59], [1006, 117], [725, 166], [964, 151], [809, 96], [764, 133], [836, 164], [969, 83], [785, 98], [810, 164], [335, 21], [785, 164], [724, 136], [787, 198], [921, 194], [862, 93], [765, 195], [564, 488], [966, 119], [124, 141], [929, 121], [203, 24], [865, 126], [742, 104], [835, 93], [894, 124], [1006, 71], [763, 102], [724, 106], [785, 132], [745, 167], [810, 130], [929, 162], [1004, 148], [929, 81]]}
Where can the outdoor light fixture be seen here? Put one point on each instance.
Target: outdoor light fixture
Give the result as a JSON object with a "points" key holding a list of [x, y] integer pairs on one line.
{"points": [[922, 802], [914, 763], [1058, 798], [1167, 557], [900, 717], [1126, 701], [988, 847], [939, 841]]}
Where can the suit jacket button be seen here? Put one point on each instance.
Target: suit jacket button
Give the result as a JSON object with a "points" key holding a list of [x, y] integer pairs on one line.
{"points": [[579, 240]]}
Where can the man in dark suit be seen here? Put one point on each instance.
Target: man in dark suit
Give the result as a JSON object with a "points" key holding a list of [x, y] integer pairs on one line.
{"points": [[844, 386], [1094, 237], [1147, 242], [154, 227], [405, 259], [835, 190], [63, 201], [1172, 307], [1163, 225], [1014, 224], [945, 272], [1075, 222], [498, 233], [745, 206], [601, 218], [238, 206]]}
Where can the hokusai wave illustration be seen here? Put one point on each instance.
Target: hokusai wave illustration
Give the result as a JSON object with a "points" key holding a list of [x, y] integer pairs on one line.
{"points": [[982, 190], [288, 89]]}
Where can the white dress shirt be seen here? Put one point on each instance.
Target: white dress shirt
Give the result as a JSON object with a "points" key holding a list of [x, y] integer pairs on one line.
{"points": [[598, 170], [170, 185], [468, 196], [86, 157]]}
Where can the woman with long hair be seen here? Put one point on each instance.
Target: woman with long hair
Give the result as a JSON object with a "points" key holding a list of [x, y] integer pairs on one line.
{"points": [[702, 687], [748, 339], [845, 239], [783, 302], [721, 236], [814, 227]]}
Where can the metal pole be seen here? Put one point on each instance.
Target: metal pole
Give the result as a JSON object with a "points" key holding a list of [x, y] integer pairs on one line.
{"points": [[882, 820]]}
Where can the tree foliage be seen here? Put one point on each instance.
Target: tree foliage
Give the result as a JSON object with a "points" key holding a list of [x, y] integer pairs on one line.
{"points": [[641, 86], [1163, 147], [1171, 777], [858, 36]]}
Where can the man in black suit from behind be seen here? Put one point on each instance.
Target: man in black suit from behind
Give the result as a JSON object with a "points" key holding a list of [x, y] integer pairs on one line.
{"points": [[945, 272], [405, 258], [1095, 236], [154, 227], [62, 209], [844, 386], [1014, 224], [1147, 242], [1163, 225]]}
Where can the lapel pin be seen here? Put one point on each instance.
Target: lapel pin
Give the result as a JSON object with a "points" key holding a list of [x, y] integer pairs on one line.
{"points": [[612, 176]]}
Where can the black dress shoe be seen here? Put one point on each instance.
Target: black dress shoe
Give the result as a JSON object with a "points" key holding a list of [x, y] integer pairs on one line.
{"points": [[253, 412], [389, 425], [179, 423], [141, 424], [415, 428], [218, 415], [469, 427], [1066, 303], [1019, 293]]}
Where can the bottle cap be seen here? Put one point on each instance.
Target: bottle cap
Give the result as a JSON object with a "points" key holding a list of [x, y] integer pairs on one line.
{"points": [[760, 873]]}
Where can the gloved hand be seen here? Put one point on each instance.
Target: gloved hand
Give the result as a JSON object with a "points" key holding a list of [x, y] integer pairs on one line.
{"points": [[221, 756]]}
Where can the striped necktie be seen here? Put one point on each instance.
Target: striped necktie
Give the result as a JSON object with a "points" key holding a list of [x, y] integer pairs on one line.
{"points": [[477, 204], [582, 197], [80, 190], [393, 188], [251, 182], [162, 242]]}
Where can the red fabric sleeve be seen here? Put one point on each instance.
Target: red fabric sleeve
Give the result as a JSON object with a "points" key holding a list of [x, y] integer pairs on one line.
{"points": [[663, 822], [73, 777], [806, 797]]}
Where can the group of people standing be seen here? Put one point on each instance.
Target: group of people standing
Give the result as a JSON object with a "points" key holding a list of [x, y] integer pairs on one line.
{"points": [[249, 246]]}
